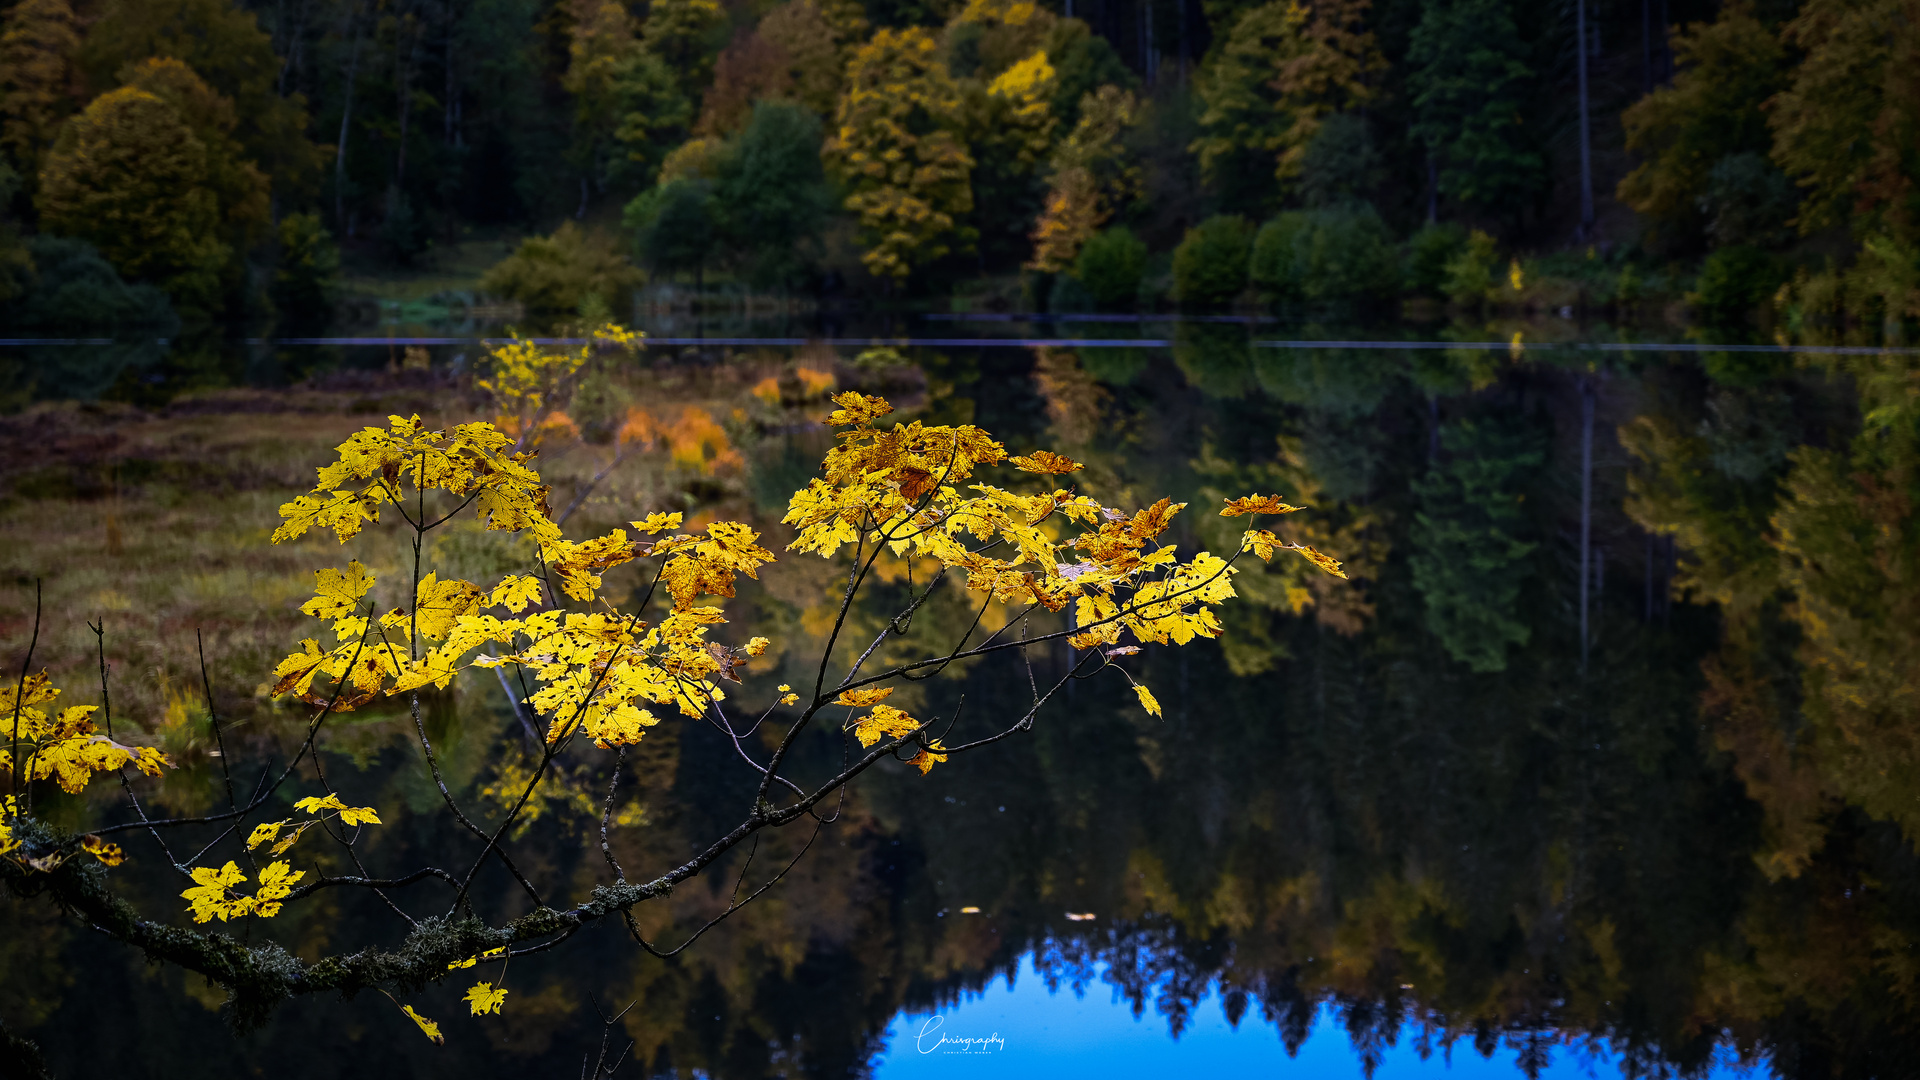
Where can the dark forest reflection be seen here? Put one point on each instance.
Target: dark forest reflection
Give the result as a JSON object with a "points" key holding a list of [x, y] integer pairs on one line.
{"points": [[1423, 797]]}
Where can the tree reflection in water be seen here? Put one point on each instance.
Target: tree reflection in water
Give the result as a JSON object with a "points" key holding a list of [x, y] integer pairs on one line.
{"points": [[1410, 800]]}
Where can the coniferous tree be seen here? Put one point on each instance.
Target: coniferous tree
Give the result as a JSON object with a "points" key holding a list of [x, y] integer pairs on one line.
{"points": [[1470, 82]]}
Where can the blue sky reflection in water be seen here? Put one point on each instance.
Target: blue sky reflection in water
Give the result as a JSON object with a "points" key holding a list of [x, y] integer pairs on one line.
{"points": [[1061, 1034]]}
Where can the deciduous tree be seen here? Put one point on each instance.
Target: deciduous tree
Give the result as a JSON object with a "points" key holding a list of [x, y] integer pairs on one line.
{"points": [[897, 147], [1092, 178], [227, 48], [129, 175], [38, 39], [1847, 127], [1283, 67], [1729, 69]]}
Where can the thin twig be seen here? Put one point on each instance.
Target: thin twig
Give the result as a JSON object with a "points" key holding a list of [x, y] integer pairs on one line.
{"points": [[19, 699]]}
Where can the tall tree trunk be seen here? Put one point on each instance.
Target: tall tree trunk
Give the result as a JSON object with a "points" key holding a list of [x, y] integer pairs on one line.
{"points": [[1586, 509], [1586, 148], [346, 123], [407, 60], [1183, 40], [448, 109], [1646, 46], [1146, 40]]}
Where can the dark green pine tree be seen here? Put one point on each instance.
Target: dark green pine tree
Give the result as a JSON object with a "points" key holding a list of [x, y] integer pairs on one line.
{"points": [[1470, 82]]}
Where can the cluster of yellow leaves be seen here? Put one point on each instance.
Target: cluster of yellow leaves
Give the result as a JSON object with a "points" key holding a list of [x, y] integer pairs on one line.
{"points": [[107, 853], [598, 670], [887, 722], [904, 486], [64, 746], [530, 382], [1264, 543], [900, 486], [214, 894], [321, 807], [470, 461], [1020, 95]]}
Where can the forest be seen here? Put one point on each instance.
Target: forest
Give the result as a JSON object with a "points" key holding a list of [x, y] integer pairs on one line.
{"points": [[250, 160]]}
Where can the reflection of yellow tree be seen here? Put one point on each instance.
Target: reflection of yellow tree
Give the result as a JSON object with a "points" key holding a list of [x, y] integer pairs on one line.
{"points": [[1837, 541], [1848, 536]]}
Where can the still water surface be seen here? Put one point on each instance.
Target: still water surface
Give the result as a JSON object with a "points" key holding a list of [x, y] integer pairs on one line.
{"points": [[1604, 761]]}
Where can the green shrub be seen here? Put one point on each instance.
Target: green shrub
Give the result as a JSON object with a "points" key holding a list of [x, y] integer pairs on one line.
{"points": [[1470, 274], [1339, 255], [405, 232], [304, 282], [677, 225], [1273, 265], [1428, 254], [1210, 265], [68, 283], [558, 273], [1736, 280], [1216, 357], [1110, 266]]}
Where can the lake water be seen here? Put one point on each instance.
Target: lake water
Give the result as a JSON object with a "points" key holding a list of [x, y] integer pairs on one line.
{"points": [[1606, 760]]}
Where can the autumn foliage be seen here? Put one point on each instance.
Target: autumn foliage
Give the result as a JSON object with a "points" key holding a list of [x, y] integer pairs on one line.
{"points": [[996, 528]]}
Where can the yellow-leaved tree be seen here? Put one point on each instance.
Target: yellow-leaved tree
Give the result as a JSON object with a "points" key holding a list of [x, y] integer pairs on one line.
{"points": [[896, 146], [129, 175], [975, 524], [1091, 179]]}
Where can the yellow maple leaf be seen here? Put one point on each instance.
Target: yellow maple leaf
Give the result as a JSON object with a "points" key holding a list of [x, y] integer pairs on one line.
{"points": [[1147, 700], [1261, 542], [337, 593], [100, 849], [658, 522], [483, 998], [515, 592], [1319, 559], [1045, 462], [857, 408], [864, 697], [349, 815], [884, 722], [296, 673], [211, 896], [925, 759], [276, 881], [438, 605], [1256, 504], [431, 1029]]}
